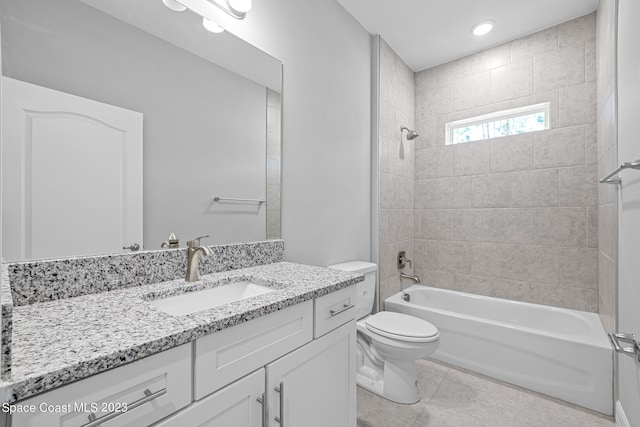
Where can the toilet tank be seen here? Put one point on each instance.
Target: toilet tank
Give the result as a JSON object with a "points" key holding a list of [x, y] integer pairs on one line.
{"points": [[367, 289]]}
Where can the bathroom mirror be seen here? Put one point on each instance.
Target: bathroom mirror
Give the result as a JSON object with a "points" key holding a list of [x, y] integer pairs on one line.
{"points": [[206, 107]]}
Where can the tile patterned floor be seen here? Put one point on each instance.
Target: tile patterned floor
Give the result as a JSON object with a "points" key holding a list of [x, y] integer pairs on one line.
{"points": [[453, 397]]}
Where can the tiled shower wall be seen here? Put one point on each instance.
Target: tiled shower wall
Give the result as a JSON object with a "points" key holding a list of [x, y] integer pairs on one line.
{"points": [[607, 161], [512, 217], [274, 143], [396, 154]]}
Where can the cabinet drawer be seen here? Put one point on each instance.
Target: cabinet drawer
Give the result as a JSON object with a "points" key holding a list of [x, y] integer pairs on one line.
{"points": [[333, 310], [151, 389], [224, 356]]}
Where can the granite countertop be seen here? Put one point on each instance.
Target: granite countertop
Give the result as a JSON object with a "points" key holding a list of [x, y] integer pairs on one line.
{"points": [[57, 342]]}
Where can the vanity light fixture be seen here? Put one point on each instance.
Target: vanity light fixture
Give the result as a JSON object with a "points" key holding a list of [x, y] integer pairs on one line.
{"points": [[482, 28], [242, 6], [236, 8], [174, 5], [211, 26]]}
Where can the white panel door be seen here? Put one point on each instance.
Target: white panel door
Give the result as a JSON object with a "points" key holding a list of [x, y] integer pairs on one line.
{"points": [[629, 203], [72, 174]]}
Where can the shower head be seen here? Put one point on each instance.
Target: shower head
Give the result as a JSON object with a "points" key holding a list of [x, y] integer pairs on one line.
{"points": [[411, 134]]}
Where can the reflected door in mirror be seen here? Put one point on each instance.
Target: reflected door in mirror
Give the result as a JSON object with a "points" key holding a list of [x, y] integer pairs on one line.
{"points": [[77, 186]]}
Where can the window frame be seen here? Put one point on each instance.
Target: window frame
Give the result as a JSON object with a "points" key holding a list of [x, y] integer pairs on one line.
{"points": [[543, 107]]}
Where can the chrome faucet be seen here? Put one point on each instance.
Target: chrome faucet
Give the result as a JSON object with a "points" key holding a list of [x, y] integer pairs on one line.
{"points": [[193, 247], [416, 279], [402, 261]]}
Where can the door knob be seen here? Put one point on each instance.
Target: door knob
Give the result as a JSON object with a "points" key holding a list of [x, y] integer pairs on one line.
{"points": [[132, 247]]}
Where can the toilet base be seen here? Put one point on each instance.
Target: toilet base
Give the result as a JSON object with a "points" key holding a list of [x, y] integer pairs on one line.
{"points": [[403, 391], [393, 379], [387, 367], [374, 386]]}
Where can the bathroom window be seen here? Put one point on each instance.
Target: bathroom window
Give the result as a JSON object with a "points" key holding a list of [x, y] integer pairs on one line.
{"points": [[513, 121]]}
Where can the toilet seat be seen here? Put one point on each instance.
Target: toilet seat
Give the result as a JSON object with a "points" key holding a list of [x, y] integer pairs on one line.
{"points": [[401, 327]]}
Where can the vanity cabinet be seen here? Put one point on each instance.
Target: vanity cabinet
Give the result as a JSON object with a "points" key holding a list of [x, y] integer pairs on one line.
{"points": [[291, 368], [291, 378], [313, 386]]}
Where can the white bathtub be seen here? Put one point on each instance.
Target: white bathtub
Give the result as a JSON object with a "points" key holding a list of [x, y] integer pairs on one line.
{"points": [[559, 352]]}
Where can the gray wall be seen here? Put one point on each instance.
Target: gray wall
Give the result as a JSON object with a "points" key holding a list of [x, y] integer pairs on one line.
{"points": [[204, 127], [512, 217], [326, 125], [607, 161], [396, 154]]}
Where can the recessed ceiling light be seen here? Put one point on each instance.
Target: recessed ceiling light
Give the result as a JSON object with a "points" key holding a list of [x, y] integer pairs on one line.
{"points": [[482, 28]]}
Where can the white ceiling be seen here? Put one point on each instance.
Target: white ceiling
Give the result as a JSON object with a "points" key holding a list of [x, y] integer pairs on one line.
{"points": [[426, 33]]}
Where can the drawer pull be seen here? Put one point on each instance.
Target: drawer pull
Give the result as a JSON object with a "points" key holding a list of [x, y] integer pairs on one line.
{"points": [[280, 390], [148, 397], [344, 308]]}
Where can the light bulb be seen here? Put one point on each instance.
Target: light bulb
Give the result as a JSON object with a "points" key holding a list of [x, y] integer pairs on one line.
{"points": [[242, 6], [174, 5], [482, 28], [211, 26]]}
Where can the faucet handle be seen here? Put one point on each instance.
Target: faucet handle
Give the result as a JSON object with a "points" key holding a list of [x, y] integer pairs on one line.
{"points": [[403, 260], [195, 242]]}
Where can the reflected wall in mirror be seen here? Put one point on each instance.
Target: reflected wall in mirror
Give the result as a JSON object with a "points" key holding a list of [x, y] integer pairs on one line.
{"points": [[210, 108]]}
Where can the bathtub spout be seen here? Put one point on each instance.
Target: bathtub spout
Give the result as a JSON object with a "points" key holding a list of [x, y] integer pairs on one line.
{"points": [[416, 279]]}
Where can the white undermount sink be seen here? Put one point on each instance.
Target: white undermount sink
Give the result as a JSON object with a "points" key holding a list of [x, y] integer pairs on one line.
{"points": [[192, 302]]}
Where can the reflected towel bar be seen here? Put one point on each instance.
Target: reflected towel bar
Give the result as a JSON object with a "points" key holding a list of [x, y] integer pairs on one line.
{"points": [[229, 199], [618, 180]]}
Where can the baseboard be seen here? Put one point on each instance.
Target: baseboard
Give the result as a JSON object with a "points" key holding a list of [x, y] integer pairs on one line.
{"points": [[621, 418]]}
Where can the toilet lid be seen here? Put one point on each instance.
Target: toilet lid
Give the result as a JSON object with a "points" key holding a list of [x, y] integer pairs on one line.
{"points": [[401, 326]]}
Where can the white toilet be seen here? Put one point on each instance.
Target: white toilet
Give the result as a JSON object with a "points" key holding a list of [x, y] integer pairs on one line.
{"points": [[388, 343]]}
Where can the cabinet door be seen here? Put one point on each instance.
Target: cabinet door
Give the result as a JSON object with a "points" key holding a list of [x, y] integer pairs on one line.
{"points": [[236, 405], [316, 384]]}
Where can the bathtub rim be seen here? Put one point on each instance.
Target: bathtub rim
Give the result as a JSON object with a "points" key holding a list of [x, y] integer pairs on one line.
{"points": [[596, 335]]}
